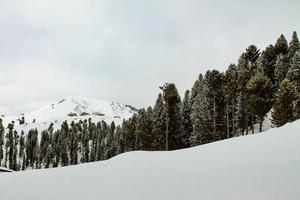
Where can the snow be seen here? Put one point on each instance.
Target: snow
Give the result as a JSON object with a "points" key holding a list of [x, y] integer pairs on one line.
{"points": [[4, 169], [58, 112], [264, 166]]}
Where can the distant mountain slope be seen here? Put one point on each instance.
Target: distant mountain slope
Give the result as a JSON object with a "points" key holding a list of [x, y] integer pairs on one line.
{"points": [[264, 166], [73, 108]]}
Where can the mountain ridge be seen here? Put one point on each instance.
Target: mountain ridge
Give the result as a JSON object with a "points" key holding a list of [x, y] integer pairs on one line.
{"points": [[72, 108]]}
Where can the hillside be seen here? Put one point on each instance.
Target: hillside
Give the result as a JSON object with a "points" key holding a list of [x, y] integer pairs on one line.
{"points": [[263, 166], [72, 108]]}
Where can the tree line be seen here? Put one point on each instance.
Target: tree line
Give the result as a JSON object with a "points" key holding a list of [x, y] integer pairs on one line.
{"points": [[220, 105]]}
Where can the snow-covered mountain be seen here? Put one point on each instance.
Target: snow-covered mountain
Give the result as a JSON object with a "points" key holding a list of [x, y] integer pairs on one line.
{"points": [[72, 109], [264, 166]]}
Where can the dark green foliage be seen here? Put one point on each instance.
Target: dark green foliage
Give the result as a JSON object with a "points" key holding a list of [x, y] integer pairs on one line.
{"points": [[159, 123], [284, 105], [215, 82], [32, 147], [294, 45], [200, 115], [187, 126], [267, 62], [1, 142], [294, 72], [259, 90], [230, 92], [282, 66], [281, 45], [172, 107], [144, 130]]}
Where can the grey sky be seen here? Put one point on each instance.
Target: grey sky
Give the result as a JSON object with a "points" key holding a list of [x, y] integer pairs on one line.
{"points": [[123, 50]]}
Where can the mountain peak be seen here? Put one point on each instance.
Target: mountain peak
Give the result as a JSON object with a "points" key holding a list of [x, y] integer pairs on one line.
{"points": [[74, 108]]}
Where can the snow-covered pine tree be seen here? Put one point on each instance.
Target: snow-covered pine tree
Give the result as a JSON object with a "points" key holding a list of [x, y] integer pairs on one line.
{"points": [[294, 45], [230, 90], [283, 108], [9, 145], [200, 116], [187, 127], [159, 123], [21, 150], [15, 164]]}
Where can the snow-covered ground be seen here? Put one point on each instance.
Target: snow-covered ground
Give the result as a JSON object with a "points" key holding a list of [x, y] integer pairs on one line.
{"points": [[264, 166], [80, 107]]}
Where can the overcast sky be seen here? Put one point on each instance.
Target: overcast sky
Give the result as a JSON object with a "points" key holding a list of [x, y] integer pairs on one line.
{"points": [[124, 50]]}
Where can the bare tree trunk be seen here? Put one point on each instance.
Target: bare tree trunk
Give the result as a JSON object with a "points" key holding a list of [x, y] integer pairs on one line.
{"points": [[261, 124]]}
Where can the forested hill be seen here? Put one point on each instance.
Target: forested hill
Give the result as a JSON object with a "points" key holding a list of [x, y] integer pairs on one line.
{"points": [[220, 105], [261, 167]]}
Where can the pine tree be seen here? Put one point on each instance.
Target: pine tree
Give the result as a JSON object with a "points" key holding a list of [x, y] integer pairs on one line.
{"points": [[294, 72], [294, 45], [100, 141], [252, 53], [120, 142], [15, 165], [159, 123], [267, 62], [187, 127], [32, 147], [259, 90], [281, 45], [230, 90], [281, 69], [129, 130], [246, 69], [215, 82], [1, 141], [44, 144], [200, 116], [283, 108], [51, 145], [64, 144], [56, 148], [144, 129], [73, 143], [172, 106], [10, 145], [21, 150], [85, 143]]}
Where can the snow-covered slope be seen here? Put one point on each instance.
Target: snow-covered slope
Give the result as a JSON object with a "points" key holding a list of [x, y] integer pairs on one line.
{"points": [[72, 108], [263, 166]]}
